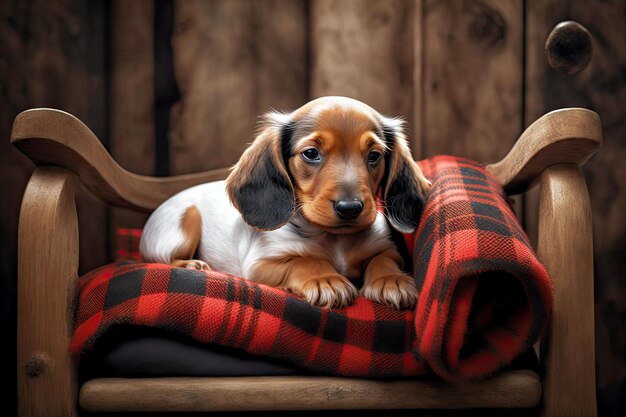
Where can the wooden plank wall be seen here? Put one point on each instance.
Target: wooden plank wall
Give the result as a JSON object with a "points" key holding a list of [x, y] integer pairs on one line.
{"points": [[54, 56], [364, 50], [470, 94], [232, 62], [472, 79], [602, 88], [132, 98]]}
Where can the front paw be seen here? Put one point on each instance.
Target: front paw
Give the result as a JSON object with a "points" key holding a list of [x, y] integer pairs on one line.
{"points": [[194, 264], [397, 291], [330, 291]]}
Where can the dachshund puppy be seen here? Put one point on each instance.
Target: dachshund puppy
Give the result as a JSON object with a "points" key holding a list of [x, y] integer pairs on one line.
{"points": [[299, 210]]}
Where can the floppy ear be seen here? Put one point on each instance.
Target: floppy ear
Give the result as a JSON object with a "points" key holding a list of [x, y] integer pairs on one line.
{"points": [[405, 186], [259, 185]]}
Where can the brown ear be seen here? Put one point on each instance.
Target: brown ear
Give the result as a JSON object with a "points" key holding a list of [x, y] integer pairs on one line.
{"points": [[259, 185], [405, 186]]}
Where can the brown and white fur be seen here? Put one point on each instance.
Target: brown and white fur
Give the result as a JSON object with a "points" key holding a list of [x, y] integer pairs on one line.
{"points": [[299, 209]]}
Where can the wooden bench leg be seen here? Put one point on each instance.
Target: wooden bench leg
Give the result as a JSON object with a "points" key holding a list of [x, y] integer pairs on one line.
{"points": [[47, 273], [565, 245]]}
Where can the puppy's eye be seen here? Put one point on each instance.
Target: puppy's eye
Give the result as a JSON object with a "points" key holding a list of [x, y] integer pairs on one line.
{"points": [[373, 157], [311, 155]]}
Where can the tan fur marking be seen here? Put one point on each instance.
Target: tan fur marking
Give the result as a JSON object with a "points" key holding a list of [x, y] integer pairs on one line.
{"points": [[345, 123], [356, 259], [314, 279], [385, 283], [344, 137], [191, 227]]}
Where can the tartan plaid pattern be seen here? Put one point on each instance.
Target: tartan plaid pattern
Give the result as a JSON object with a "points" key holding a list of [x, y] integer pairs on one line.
{"points": [[484, 298], [128, 244], [365, 339]]}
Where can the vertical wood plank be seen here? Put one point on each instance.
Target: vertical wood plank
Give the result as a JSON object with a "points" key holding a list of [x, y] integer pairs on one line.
{"points": [[232, 61], [52, 54], [132, 98], [282, 68], [602, 88], [472, 86], [364, 50], [131, 109], [213, 67]]}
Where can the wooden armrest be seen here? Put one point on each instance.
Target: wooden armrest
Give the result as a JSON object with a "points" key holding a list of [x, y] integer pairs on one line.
{"points": [[569, 136], [565, 246], [54, 137]]}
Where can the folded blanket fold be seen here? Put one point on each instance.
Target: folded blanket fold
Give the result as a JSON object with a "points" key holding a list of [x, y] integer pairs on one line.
{"points": [[484, 298]]}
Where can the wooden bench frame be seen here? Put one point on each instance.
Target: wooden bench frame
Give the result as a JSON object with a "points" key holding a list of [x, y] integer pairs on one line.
{"points": [[68, 154]]}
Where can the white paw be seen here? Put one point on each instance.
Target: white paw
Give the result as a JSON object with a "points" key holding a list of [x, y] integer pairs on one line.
{"points": [[397, 291], [330, 291], [194, 264]]}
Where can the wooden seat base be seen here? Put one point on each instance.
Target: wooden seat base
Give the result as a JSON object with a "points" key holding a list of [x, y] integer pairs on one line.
{"points": [[512, 389]]}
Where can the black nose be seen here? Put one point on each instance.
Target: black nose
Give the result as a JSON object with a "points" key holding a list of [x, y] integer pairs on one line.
{"points": [[348, 209]]}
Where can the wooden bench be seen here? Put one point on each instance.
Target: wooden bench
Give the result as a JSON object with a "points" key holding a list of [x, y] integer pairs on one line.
{"points": [[69, 155]]}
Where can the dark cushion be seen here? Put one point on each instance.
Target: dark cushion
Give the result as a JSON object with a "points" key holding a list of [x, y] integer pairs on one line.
{"points": [[130, 351]]}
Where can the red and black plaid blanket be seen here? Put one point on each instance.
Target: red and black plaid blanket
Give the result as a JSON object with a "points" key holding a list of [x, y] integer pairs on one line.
{"points": [[484, 297]]}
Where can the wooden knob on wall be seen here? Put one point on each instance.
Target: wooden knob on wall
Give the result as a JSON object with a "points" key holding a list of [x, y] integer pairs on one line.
{"points": [[569, 48]]}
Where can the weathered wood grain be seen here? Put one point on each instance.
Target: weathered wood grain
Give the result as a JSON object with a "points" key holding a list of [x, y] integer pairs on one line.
{"points": [[472, 77], [46, 372], [131, 111], [132, 98], [282, 67], [52, 54], [565, 246], [53, 137], [232, 61], [507, 390], [364, 50], [565, 136], [602, 88]]}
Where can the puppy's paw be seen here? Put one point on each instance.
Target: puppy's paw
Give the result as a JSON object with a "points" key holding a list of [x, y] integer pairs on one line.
{"points": [[397, 291], [330, 291], [194, 264]]}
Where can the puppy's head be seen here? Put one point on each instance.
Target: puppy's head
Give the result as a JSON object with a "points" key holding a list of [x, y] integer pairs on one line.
{"points": [[327, 160]]}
